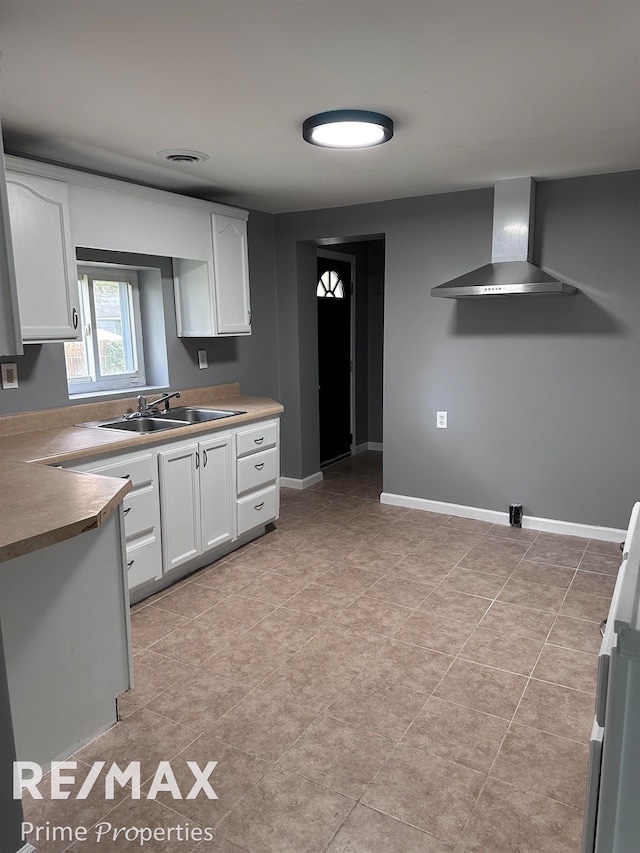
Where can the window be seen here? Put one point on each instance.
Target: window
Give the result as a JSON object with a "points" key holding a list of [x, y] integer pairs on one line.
{"points": [[109, 356], [330, 284]]}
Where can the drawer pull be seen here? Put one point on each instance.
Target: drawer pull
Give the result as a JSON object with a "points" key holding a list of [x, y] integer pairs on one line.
{"points": [[258, 440], [75, 318], [126, 477], [259, 506], [259, 466], [129, 564], [127, 510]]}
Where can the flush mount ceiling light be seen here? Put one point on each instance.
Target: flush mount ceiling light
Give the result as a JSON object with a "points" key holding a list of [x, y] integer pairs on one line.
{"points": [[347, 129], [182, 155]]}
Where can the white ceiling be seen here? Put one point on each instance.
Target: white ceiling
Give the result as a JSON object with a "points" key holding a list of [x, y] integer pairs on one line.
{"points": [[480, 90]]}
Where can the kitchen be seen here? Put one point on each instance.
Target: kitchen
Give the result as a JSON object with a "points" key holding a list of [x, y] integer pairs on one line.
{"points": [[541, 394]]}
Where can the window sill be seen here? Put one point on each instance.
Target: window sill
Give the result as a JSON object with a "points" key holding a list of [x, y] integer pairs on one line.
{"points": [[120, 394]]}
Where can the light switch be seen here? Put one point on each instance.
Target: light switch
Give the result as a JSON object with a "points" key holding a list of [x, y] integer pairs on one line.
{"points": [[9, 375], [202, 359]]}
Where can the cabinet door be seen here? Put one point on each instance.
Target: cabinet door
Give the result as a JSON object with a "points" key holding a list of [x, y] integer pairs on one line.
{"points": [[10, 332], [217, 491], [193, 290], [231, 273], [179, 505], [45, 262]]}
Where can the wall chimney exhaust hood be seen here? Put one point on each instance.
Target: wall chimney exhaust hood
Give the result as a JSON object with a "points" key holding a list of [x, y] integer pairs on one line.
{"points": [[510, 272]]}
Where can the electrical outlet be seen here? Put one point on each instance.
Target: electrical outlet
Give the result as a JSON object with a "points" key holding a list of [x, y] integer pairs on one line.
{"points": [[202, 359], [9, 375], [441, 420]]}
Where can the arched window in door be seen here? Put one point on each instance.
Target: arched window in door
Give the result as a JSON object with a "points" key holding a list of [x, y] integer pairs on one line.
{"points": [[330, 285]]}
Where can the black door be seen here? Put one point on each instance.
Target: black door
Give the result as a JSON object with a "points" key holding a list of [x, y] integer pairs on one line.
{"points": [[334, 354]]}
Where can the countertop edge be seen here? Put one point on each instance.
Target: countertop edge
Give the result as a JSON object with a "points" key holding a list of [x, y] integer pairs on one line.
{"points": [[105, 503], [114, 441]]}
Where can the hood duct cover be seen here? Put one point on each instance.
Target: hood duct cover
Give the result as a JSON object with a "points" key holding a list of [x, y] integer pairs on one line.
{"points": [[510, 272]]}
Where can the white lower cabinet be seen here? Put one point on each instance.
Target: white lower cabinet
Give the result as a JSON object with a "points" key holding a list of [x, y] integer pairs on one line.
{"points": [[257, 509], [141, 512], [258, 467], [196, 498], [179, 505], [216, 491], [193, 497]]}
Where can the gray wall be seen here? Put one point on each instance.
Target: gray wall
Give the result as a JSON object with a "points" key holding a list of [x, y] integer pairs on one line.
{"points": [[10, 809], [375, 342], [252, 360], [542, 394]]}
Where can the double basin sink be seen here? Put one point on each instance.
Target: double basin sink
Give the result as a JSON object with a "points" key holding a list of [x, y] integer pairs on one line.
{"points": [[174, 418]]}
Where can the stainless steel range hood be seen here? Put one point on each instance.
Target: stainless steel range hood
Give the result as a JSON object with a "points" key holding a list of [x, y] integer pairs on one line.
{"points": [[510, 272]]}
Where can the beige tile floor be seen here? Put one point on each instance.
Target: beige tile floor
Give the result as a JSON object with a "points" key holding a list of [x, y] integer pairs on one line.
{"points": [[370, 679]]}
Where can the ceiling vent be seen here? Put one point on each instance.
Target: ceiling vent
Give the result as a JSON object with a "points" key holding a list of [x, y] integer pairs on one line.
{"points": [[182, 155]]}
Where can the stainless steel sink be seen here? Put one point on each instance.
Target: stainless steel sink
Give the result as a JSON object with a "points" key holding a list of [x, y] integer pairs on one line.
{"points": [[196, 415], [174, 418], [140, 425]]}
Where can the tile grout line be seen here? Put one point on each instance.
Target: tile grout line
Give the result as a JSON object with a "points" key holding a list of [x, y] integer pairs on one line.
{"points": [[362, 593], [488, 776]]}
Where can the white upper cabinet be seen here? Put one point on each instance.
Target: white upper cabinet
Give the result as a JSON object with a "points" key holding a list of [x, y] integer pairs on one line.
{"points": [[206, 241], [10, 333], [44, 254], [231, 275], [213, 299]]}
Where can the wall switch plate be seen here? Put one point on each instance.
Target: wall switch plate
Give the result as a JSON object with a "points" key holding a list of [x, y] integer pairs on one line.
{"points": [[9, 375], [202, 359], [441, 420]]}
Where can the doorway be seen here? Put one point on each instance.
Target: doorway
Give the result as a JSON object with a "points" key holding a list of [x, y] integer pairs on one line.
{"points": [[334, 295]]}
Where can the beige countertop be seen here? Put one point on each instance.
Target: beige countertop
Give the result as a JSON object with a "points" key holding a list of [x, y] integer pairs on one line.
{"points": [[40, 505]]}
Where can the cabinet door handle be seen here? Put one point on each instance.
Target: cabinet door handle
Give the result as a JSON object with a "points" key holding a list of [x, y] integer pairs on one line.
{"points": [[259, 466], [258, 440], [129, 564], [259, 506], [126, 477], [75, 318], [197, 459], [250, 315], [127, 510], [204, 458]]}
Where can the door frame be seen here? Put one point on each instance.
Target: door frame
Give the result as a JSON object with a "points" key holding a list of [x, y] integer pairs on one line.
{"points": [[350, 259]]}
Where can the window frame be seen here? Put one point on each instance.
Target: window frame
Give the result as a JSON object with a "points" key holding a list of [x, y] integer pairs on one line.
{"points": [[87, 275], [338, 291]]}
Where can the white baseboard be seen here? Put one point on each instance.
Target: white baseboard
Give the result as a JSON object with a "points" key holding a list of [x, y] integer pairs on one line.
{"points": [[548, 525], [293, 483], [368, 445]]}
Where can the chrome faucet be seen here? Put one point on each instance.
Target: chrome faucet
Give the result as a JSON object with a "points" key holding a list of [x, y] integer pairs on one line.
{"points": [[150, 408]]}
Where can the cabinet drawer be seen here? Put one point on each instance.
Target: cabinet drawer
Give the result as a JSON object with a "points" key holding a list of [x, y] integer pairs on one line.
{"points": [[258, 438], [140, 512], [144, 560], [138, 469], [257, 509], [257, 470]]}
